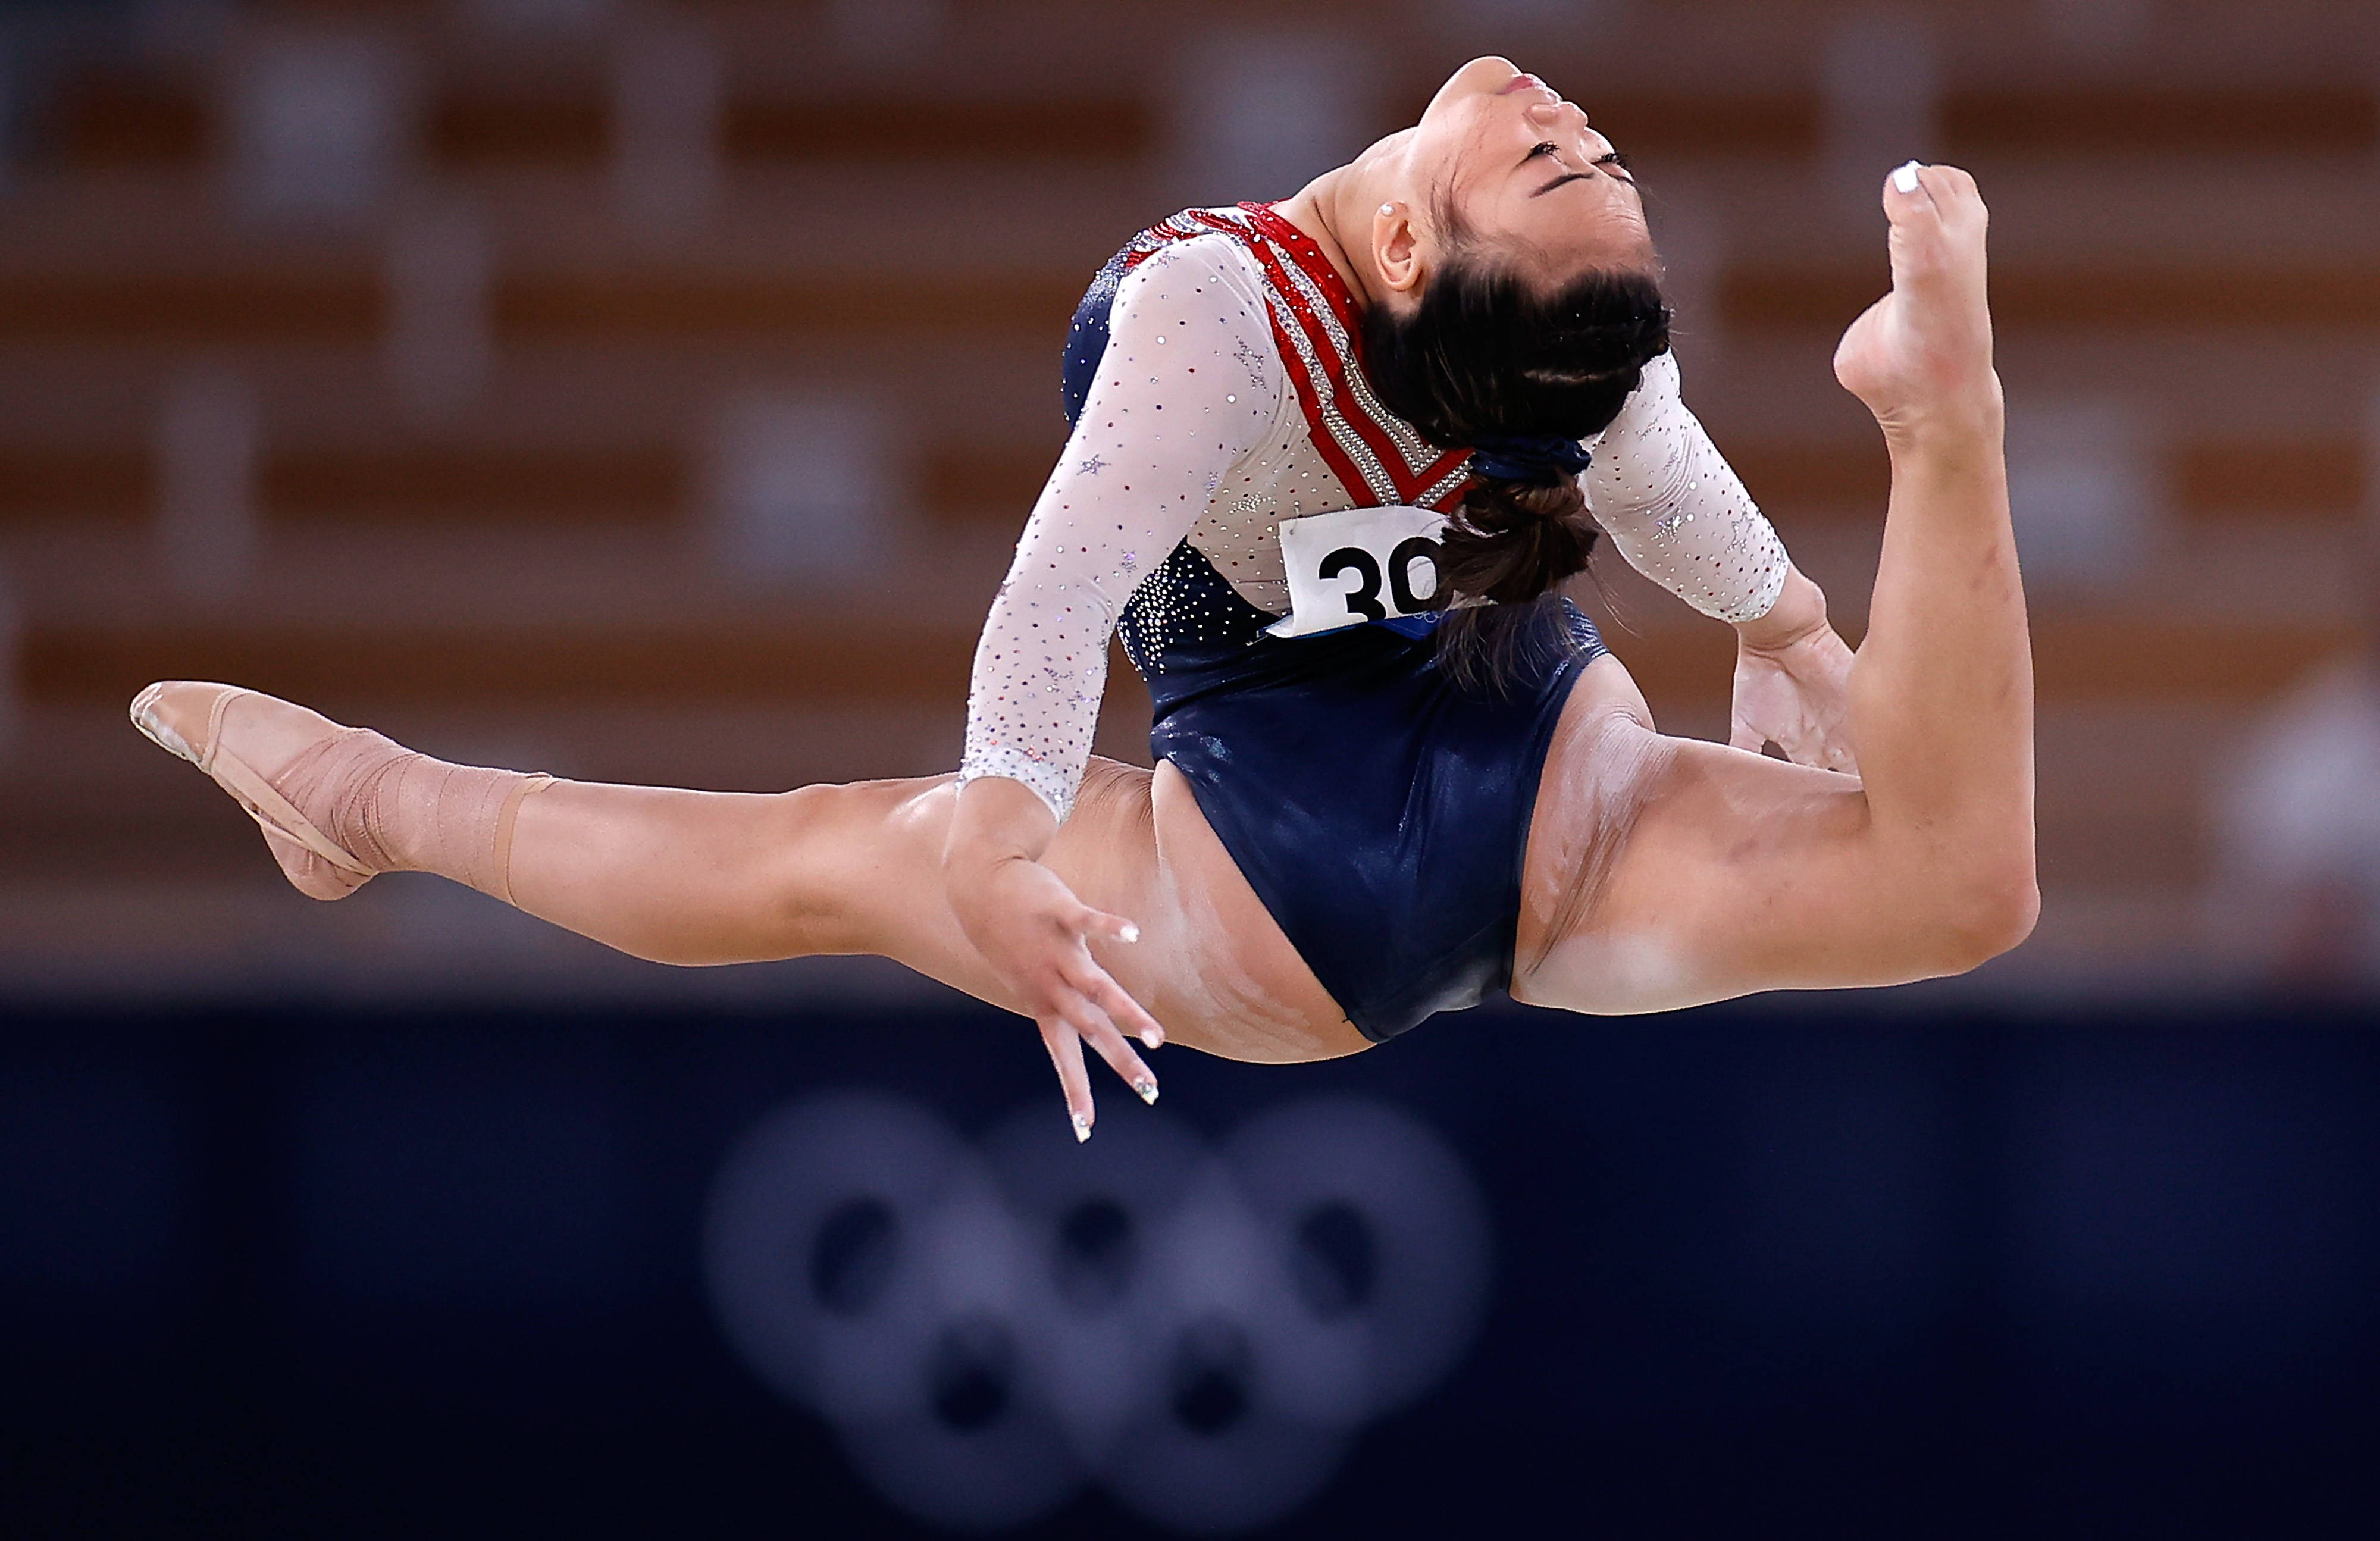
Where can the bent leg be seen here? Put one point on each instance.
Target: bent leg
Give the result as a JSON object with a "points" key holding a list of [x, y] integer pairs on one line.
{"points": [[1719, 872]]}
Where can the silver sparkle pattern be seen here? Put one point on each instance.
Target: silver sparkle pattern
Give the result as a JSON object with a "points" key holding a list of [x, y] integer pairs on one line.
{"points": [[1211, 438], [1677, 511]]}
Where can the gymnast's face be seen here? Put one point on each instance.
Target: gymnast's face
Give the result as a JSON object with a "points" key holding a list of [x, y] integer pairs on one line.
{"points": [[1521, 174]]}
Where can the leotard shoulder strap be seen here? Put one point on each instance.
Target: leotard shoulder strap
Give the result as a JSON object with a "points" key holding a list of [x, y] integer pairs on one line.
{"points": [[1378, 456]]}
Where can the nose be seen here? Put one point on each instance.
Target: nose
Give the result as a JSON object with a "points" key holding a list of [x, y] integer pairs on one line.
{"points": [[1554, 115]]}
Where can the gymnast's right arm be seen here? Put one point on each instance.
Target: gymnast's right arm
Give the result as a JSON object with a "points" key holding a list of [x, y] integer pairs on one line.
{"points": [[1175, 404]]}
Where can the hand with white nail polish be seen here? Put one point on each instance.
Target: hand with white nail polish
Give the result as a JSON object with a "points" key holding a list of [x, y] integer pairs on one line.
{"points": [[1036, 936]]}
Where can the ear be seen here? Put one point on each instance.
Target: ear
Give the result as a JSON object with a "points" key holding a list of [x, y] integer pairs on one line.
{"points": [[1396, 249]]}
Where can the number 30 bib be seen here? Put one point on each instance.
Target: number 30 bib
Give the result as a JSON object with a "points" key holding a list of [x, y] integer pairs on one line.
{"points": [[1359, 564]]}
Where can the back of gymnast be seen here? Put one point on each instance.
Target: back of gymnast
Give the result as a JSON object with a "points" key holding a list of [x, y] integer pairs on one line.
{"points": [[1348, 830]]}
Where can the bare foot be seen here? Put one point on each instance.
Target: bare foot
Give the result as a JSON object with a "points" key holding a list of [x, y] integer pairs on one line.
{"points": [[1922, 353]]}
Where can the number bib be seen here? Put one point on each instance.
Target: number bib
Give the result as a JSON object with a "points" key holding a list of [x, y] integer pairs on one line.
{"points": [[1356, 565]]}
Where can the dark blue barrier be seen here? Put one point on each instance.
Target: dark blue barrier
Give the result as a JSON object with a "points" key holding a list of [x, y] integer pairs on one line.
{"points": [[1866, 1265]]}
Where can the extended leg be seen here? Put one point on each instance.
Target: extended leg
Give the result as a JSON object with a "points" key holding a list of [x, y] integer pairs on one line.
{"points": [[717, 876], [713, 877], [674, 876], [721, 876], [677, 877]]}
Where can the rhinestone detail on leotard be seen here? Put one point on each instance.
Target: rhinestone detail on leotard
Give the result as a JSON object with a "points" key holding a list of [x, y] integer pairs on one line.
{"points": [[1216, 413], [1676, 509]]}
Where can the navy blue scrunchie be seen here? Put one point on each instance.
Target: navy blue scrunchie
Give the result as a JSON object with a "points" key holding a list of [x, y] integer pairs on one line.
{"points": [[1546, 462]]}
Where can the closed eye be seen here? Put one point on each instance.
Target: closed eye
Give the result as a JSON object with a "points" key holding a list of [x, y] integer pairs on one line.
{"points": [[1615, 160]]}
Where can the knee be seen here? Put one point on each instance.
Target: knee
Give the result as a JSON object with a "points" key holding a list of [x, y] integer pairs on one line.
{"points": [[844, 862], [1985, 905], [805, 862]]}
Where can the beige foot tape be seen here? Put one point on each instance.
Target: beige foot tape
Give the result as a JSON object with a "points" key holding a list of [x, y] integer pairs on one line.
{"points": [[344, 804], [277, 815]]}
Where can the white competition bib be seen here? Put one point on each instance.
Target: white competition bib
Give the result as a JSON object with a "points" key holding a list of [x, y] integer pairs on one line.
{"points": [[1356, 565]]}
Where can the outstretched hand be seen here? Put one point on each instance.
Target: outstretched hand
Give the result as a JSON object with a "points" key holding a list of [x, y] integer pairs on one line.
{"points": [[1036, 937]]}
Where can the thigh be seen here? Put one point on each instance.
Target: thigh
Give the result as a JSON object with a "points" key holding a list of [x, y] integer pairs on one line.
{"points": [[1603, 759], [1211, 964], [1667, 872]]}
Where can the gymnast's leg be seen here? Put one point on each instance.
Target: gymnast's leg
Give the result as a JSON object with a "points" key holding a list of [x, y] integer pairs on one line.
{"points": [[674, 876], [715, 876], [1666, 872]]}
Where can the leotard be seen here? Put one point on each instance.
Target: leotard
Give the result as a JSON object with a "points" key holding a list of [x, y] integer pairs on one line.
{"points": [[1379, 810]]}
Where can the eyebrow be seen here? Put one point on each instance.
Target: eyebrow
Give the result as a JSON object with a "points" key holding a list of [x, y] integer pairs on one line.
{"points": [[1571, 177]]}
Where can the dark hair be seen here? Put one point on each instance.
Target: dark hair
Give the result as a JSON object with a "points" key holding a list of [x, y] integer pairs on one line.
{"points": [[1486, 355]]}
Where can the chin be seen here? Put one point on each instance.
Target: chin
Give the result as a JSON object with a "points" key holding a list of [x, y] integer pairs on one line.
{"points": [[1482, 77]]}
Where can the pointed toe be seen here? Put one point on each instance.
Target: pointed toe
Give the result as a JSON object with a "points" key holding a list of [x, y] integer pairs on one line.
{"points": [[153, 725]]}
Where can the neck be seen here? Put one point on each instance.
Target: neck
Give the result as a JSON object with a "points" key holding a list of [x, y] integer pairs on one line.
{"points": [[1335, 209]]}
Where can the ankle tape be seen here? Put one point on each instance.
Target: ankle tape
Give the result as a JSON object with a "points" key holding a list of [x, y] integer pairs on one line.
{"points": [[397, 810]]}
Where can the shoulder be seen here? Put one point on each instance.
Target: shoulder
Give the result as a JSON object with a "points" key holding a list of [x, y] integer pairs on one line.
{"points": [[1196, 299], [1216, 263]]}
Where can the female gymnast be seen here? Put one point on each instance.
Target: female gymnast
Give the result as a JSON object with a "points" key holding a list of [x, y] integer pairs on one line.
{"points": [[1381, 793]]}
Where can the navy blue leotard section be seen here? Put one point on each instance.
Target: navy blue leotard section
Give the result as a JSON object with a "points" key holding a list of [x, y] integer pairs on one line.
{"points": [[1379, 810]]}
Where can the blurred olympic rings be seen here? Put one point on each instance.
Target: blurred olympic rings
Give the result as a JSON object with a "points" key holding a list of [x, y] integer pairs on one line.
{"points": [[1199, 1330]]}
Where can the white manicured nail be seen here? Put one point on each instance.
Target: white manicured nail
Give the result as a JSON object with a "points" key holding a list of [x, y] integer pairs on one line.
{"points": [[1153, 1038], [1082, 1126], [1148, 1090], [1905, 179]]}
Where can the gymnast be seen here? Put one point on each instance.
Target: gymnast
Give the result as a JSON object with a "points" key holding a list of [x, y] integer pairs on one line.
{"points": [[1330, 460]]}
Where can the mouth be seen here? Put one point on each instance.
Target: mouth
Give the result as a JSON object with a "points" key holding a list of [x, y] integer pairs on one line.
{"points": [[1525, 82]]}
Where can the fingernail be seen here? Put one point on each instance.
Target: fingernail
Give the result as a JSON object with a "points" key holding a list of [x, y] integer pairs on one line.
{"points": [[1905, 177], [1082, 1126], [1153, 1038], [1148, 1090], [1130, 932]]}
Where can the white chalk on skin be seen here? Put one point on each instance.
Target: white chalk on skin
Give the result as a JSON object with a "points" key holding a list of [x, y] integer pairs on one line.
{"points": [[1905, 177]]}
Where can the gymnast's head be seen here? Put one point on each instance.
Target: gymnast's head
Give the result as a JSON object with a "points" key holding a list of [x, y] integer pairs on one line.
{"points": [[1500, 167], [1514, 293]]}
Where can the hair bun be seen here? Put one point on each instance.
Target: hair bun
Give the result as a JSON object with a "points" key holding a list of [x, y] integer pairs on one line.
{"points": [[1511, 541], [1487, 363]]}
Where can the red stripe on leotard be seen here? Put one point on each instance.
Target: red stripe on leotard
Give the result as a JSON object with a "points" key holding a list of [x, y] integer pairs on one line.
{"points": [[1364, 418], [1336, 400]]}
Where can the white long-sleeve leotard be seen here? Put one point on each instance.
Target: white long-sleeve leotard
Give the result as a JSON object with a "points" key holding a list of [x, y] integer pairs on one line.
{"points": [[1191, 430]]}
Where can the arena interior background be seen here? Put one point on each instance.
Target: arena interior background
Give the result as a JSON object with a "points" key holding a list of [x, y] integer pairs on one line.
{"points": [[651, 392]]}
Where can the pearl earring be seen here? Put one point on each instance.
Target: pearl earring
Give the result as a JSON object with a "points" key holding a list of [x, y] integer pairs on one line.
{"points": [[1388, 208]]}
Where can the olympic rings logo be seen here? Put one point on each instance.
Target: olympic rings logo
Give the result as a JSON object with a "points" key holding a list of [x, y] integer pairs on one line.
{"points": [[1202, 1331]]}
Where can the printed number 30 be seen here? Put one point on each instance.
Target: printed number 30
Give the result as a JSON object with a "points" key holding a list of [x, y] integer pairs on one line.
{"points": [[1365, 597]]}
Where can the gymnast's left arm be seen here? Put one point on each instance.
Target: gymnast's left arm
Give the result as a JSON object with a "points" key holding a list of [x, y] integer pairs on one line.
{"points": [[1679, 514]]}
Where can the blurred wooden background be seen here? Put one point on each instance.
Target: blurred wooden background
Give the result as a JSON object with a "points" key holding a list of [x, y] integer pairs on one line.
{"points": [[654, 392]]}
